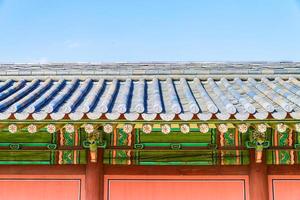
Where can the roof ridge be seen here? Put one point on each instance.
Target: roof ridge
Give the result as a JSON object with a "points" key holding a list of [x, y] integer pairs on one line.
{"points": [[152, 69]]}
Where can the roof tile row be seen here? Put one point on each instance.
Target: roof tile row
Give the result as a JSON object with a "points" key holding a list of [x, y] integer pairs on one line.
{"points": [[150, 99]]}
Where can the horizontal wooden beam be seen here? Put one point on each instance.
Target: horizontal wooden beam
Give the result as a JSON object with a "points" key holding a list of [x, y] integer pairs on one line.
{"points": [[42, 169], [175, 170], [283, 169]]}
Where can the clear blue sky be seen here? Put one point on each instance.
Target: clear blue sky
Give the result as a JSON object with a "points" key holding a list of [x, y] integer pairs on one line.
{"points": [[152, 30]]}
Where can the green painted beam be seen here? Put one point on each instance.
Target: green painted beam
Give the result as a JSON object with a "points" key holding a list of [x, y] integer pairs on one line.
{"points": [[25, 144], [169, 144], [175, 163], [19, 162]]}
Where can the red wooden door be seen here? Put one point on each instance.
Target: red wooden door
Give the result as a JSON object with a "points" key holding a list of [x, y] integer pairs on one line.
{"points": [[40, 187], [120, 187], [284, 187]]}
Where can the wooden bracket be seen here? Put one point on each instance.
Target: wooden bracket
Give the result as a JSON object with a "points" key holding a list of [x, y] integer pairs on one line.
{"points": [[93, 142], [258, 141]]}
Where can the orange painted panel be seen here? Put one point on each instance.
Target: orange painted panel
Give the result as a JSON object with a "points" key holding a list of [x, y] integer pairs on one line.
{"points": [[176, 187], [284, 187], [41, 188]]}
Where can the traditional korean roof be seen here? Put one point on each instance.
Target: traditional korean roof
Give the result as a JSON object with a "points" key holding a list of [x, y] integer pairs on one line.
{"points": [[150, 91]]}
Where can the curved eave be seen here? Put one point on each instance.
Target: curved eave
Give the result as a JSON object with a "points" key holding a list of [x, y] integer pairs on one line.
{"points": [[130, 117]]}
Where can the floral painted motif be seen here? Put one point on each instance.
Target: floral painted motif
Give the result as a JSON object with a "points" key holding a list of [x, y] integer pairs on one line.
{"points": [[89, 128], [223, 128], [281, 128], [127, 128], [204, 128], [184, 128], [243, 128], [147, 128], [12, 128], [108, 128], [32, 128], [69, 128], [51, 128], [165, 129], [261, 128]]}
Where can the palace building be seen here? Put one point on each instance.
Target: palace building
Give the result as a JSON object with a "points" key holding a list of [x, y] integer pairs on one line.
{"points": [[150, 131]]}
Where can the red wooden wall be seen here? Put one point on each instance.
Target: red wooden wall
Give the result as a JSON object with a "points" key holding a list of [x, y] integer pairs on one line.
{"points": [[175, 187], [45, 187], [284, 187], [65, 182]]}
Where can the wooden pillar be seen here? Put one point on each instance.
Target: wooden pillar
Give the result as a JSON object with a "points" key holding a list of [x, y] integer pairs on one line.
{"points": [[94, 178], [258, 178]]}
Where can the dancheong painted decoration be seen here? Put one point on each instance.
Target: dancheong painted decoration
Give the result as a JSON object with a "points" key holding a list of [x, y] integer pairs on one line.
{"points": [[129, 131], [154, 114]]}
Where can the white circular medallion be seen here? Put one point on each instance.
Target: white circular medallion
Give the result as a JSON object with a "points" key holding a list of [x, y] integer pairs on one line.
{"points": [[204, 128], [12, 128], [108, 128], [32, 128], [147, 128], [243, 128], [127, 128], [69, 128], [223, 128], [184, 128], [281, 127], [261, 128], [89, 128], [165, 129], [51, 128]]}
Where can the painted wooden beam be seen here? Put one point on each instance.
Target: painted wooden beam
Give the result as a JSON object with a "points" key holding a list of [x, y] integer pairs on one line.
{"points": [[176, 170], [38, 170]]}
